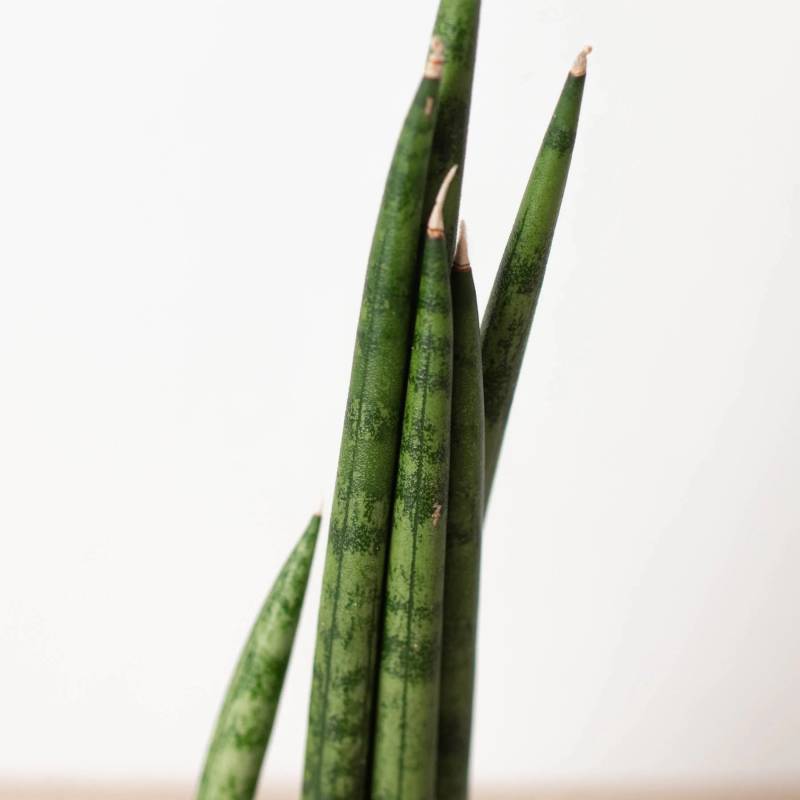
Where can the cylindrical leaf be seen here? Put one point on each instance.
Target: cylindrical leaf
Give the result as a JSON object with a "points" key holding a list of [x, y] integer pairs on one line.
{"points": [[404, 766], [245, 721], [340, 715], [463, 554], [509, 314], [457, 26]]}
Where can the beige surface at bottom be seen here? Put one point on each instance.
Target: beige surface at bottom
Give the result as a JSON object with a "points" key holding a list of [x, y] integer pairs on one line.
{"points": [[149, 792]]}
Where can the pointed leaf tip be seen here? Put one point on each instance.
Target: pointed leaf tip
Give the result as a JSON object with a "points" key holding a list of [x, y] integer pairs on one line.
{"points": [[579, 67], [436, 219], [461, 260]]}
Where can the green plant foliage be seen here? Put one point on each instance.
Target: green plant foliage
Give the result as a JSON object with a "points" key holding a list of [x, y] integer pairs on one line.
{"points": [[457, 26], [340, 714], [408, 691], [509, 314], [248, 712], [390, 713], [464, 520]]}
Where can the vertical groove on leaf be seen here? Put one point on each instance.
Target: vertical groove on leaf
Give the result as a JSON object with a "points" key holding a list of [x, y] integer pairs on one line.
{"points": [[404, 766], [342, 689]]}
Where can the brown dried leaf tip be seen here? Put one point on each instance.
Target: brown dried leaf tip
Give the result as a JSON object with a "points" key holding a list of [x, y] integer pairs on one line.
{"points": [[436, 219], [579, 67], [461, 260]]}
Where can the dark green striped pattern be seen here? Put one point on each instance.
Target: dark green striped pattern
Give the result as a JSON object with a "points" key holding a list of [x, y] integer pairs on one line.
{"points": [[407, 712], [465, 516], [457, 25], [340, 713], [245, 722], [509, 314]]}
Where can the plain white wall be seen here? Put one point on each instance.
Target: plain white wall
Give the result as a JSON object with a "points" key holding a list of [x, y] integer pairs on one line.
{"points": [[187, 194]]}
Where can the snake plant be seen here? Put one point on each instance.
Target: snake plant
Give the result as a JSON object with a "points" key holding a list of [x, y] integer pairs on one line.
{"points": [[431, 387]]}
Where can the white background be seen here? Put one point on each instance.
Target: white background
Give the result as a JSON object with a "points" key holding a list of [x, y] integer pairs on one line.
{"points": [[187, 194]]}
